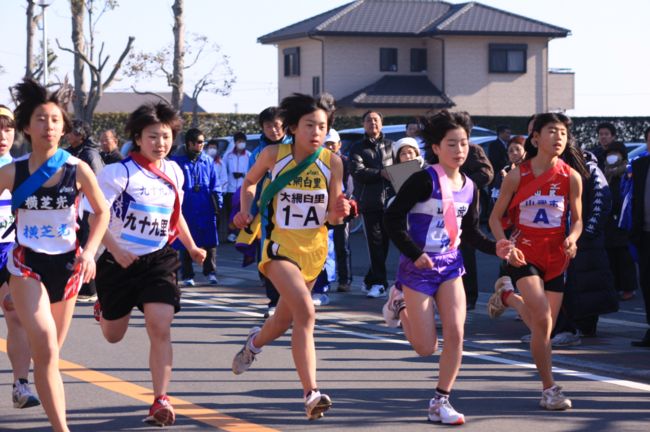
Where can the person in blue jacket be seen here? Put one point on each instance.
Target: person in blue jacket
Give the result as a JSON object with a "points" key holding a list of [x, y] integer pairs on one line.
{"points": [[201, 204]]}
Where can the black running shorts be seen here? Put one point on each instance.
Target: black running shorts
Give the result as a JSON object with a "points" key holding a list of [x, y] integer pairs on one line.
{"points": [[150, 279]]}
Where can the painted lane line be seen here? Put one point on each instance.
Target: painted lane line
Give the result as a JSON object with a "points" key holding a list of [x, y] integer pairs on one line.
{"points": [[182, 407], [490, 358]]}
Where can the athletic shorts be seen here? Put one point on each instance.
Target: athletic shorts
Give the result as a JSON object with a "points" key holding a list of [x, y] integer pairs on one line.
{"points": [[310, 264], [150, 279], [5, 251], [56, 272], [545, 257], [446, 266]]}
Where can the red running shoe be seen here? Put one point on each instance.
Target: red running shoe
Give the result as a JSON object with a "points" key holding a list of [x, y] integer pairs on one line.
{"points": [[161, 412], [97, 311]]}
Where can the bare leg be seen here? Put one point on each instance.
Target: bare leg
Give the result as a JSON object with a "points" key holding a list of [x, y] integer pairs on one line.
{"points": [[158, 318], [33, 306], [18, 350], [418, 322], [452, 309], [295, 293]]}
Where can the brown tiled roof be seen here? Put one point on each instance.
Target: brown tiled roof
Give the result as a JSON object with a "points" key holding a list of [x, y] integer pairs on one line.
{"points": [[414, 18], [398, 91]]}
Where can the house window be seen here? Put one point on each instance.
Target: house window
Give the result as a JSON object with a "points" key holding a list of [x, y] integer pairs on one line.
{"points": [[418, 60], [388, 59], [508, 58], [292, 61], [315, 86]]}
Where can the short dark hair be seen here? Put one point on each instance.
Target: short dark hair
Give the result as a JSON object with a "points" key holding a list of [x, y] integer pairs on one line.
{"points": [[414, 121], [517, 139], [502, 128], [269, 114], [437, 126], [81, 128], [150, 114], [192, 135], [297, 105], [365, 114], [29, 95], [606, 125], [239, 136]]}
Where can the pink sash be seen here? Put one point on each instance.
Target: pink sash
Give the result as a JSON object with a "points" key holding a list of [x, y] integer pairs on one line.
{"points": [[448, 208]]}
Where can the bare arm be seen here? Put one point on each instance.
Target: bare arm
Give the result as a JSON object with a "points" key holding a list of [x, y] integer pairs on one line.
{"points": [[7, 174], [98, 224], [338, 206]]}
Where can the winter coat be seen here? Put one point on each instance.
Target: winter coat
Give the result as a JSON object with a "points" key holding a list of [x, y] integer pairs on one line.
{"points": [[367, 158]]}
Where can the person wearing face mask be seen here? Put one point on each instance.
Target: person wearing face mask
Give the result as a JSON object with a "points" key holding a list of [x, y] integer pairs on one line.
{"points": [[237, 162], [617, 241], [201, 205]]}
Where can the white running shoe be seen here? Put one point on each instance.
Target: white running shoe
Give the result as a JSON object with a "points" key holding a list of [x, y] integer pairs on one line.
{"points": [[376, 291], [188, 282], [316, 403], [22, 395], [392, 307], [212, 279], [553, 399], [441, 411], [245, 357], [495, 306], [565, 339], [232, 238], [320, 299]]}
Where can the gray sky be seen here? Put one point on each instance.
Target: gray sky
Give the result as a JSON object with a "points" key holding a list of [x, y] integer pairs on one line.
{"points": [[607, 47]]}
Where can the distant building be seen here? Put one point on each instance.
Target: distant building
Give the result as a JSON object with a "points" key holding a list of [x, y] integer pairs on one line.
{"points": [[126, 102], [409, 56]]}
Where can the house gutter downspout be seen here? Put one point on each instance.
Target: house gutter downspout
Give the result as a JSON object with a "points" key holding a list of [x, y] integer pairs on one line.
{"points": [[322, 60]]}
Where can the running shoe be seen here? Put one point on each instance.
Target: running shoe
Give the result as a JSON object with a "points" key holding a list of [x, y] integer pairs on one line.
{"points": [[84, 298], [161, 412], [495, 306], [316, 403], [564, 339], [320, 299], [245, 357], [232, 238], [553, 399], [376, 291], [188, 282], [23, 396], [393, 305], [441, 411], [212, 279], [97, 311], [343, 287]]}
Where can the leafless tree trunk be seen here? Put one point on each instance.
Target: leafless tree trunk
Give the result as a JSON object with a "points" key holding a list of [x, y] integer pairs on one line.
{"points": [[78, 9], [179, 55], [31, 29]]}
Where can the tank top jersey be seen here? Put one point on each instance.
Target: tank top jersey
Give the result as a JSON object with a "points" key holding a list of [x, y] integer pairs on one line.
{"points": [[426, 224], [544, 213], [141, 204], [295, 218], [46, 222], [6, 216]]}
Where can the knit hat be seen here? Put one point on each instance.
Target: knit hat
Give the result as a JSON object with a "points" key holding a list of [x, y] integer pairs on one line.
{"points": [[333, 136], [406, 141]]}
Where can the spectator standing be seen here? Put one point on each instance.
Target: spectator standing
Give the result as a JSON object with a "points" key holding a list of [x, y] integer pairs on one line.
{"points": [[237, 162], [201, 204], [341, 233], [640, 234], [414, 130], [110, 149], [368, 160], [83, 147], [498, 149], [606, 135]]}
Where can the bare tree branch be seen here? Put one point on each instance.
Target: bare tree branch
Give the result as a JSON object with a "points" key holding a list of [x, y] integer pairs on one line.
{"points": [[118, 65]]}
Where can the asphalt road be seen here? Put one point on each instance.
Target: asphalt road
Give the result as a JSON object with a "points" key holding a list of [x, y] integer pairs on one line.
{"points": [[376, 381]]}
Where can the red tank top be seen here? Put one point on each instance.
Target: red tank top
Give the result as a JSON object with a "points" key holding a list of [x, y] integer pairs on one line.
{"points": [[544, 212]]}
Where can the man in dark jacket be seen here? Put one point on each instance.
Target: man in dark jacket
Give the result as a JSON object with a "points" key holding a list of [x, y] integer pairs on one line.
{"points": [[110, 149], [478, 168], [640, 234], [83, 147], [372, 189]]}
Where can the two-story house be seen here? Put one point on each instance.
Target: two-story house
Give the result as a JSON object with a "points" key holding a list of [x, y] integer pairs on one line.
{"points": [[407, 57]]}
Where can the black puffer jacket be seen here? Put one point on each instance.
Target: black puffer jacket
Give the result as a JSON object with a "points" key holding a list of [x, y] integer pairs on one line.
{"points": [[88, 152], [367, 158]]}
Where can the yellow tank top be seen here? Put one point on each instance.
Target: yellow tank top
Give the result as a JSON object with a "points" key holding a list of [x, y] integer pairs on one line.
{"points": [[296, 216]]}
